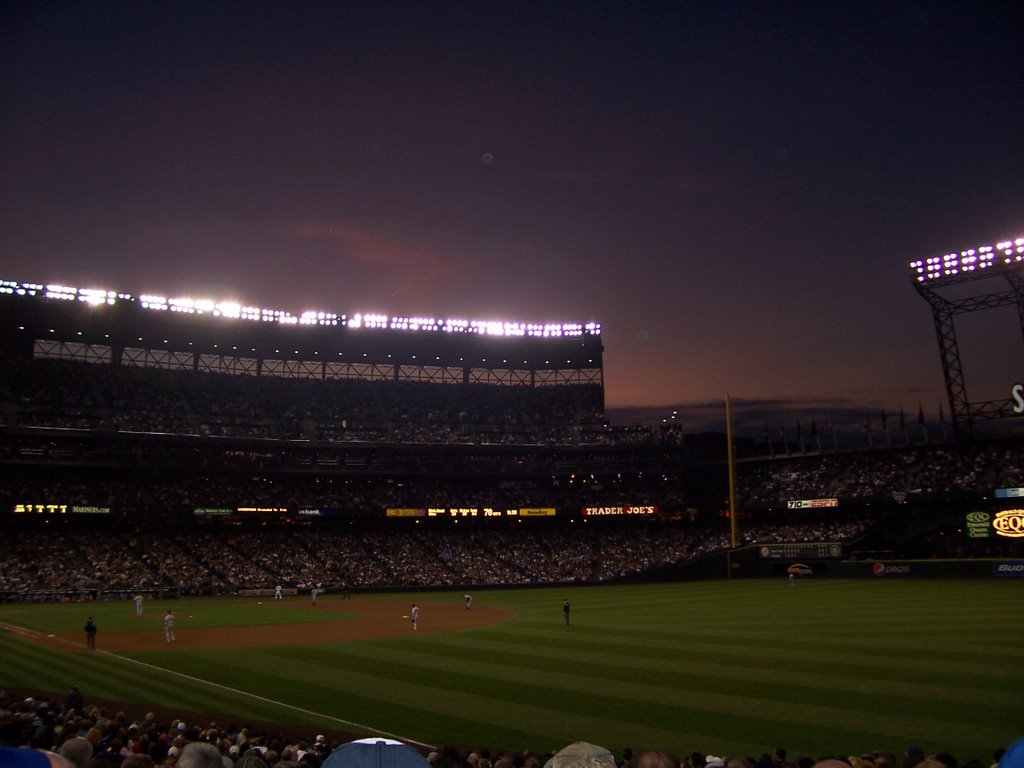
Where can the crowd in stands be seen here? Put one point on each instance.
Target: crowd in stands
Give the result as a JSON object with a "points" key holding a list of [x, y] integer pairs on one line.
{"points": [[107, 561], [75, 734], [74, 395], [906, 472]]}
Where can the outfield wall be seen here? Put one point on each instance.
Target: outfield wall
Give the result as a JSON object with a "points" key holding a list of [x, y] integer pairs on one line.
{"points": [[746, 563], [900, 569]]}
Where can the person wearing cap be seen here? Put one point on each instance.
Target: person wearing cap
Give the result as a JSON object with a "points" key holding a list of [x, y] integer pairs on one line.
{"points": [[169, 626], [415, 615], [565, 611], [468, 599], [90, 634], [138, 604]]}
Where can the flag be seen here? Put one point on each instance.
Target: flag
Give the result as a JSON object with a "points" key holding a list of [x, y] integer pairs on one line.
{"points": [[867, 423], [920, 413], [942, 416], [903, 419], [884, 421], [799, 432], [814, 427]]}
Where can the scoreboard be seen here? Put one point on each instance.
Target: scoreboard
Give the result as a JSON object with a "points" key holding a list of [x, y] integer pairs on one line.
{"points": [[807, 550]]}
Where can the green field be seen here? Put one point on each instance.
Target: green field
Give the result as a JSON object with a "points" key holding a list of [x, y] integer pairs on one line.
{"points": [[829, 667]]}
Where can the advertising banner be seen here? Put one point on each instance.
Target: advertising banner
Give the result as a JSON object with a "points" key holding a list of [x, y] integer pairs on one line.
{"points": [[891, 569], [811, 503], [1009, 523], [639, 509], [1012, 568], [978, 525]]}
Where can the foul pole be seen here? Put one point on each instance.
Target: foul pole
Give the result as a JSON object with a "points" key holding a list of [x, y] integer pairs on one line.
{"points": [[732, 480]]}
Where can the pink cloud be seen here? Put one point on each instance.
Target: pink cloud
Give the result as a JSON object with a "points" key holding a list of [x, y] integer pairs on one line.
{"points": [[414, 271]]}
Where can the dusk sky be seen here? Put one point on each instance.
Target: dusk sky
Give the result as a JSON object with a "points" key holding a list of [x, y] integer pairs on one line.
{"points": [[733, 189]]}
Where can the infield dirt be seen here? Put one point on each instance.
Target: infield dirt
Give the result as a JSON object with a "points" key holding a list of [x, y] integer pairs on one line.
{"points": [[357, 620]]}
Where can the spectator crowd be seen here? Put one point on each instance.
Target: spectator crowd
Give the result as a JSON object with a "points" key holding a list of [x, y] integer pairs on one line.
{"points": [[72, 733], [57, 561]]}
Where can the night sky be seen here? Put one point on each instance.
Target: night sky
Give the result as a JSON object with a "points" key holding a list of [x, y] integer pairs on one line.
{"points": [[733, 189]]}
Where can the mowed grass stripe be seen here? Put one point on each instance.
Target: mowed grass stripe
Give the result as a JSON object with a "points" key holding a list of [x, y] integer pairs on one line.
{"points": [[398, 692], [642, 702], [107, 675], [53, 670], [225, 680], [842, 610], [321, 684], [942, 650], [840, 656], [619, 665], [636, 717], [823, 602]]}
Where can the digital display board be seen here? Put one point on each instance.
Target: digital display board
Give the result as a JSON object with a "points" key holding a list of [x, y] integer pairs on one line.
{"points": [[406, 512], [470, 511], [807, 550], [41, 509]]}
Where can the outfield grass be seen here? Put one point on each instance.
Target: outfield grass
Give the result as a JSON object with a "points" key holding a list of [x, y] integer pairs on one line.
{"points": [[736, 667]]}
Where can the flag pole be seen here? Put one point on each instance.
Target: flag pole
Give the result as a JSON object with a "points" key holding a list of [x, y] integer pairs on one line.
{"points": [[732, 479]]}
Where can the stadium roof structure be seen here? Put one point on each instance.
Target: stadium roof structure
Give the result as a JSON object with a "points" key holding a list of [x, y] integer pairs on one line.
{"points": [[103, 326], [1003, 261]]}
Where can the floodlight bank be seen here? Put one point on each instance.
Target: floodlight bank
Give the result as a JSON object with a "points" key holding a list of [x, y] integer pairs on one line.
{"points": [[1005, 253], [234, 310]]}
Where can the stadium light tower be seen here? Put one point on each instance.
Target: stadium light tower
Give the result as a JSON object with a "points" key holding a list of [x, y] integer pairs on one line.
{"points": [[1004, 260]]}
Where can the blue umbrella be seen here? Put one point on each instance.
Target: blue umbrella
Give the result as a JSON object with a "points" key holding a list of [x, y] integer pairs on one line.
{"points": [[375, 752]]}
